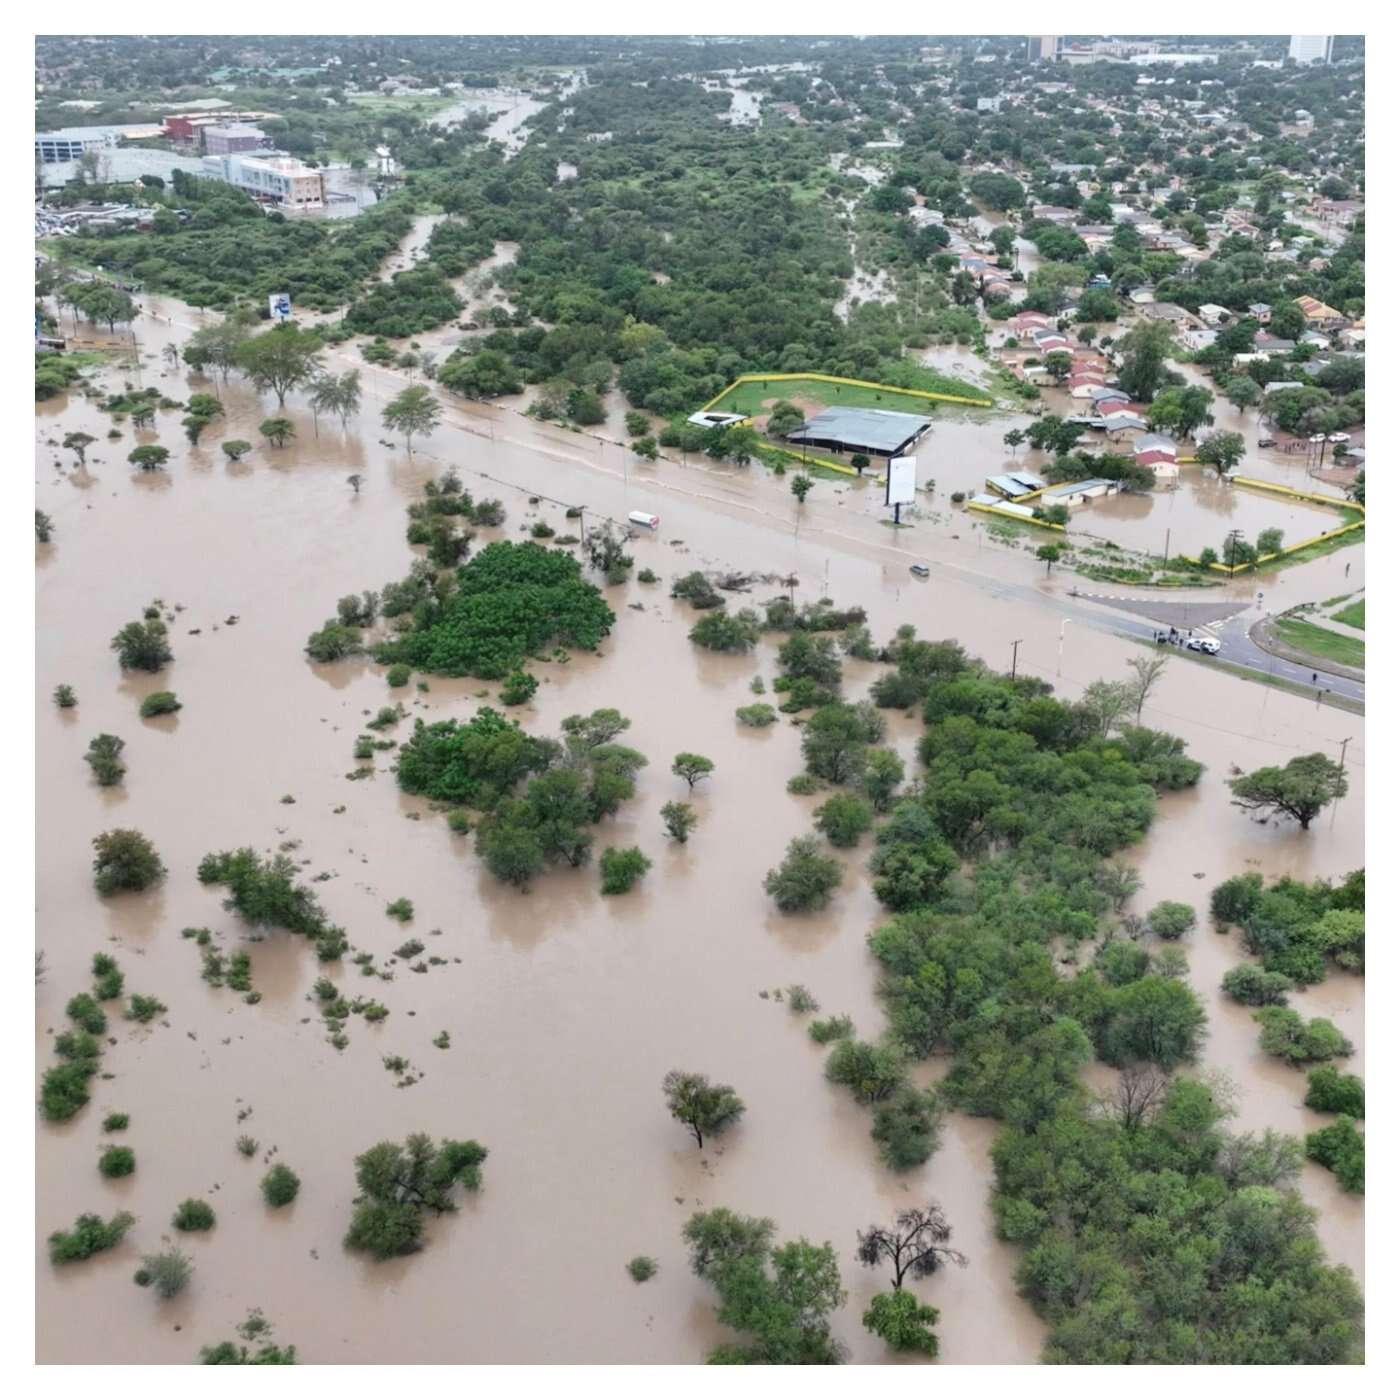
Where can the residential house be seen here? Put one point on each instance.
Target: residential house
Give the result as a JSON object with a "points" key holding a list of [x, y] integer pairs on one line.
{"points": [[1212, 314], [1158, 451], [1319, 315], [1268, 344], [1123, 421], [1261, 311], [1142, 296]]}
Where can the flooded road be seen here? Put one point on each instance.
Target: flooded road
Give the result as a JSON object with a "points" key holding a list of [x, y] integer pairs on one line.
{"points": [[564, 1009]]}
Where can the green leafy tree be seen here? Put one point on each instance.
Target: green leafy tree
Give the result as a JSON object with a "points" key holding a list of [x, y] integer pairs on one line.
{"points": [[622, 868], [149, 457], [844, 818], [693, 767], [1300, 789], [805, 880], [277, 430], [800, 485], [125, 860], [282, 359], [902, 1322], [679, 819], [235, 449], [78, 444], [1224, 451], [701, 1106], [399, 1183], [414, 412]]}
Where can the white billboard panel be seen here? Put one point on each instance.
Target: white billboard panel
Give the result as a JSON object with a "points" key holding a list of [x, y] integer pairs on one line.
{"points": [[279, 306], [901, 481]]}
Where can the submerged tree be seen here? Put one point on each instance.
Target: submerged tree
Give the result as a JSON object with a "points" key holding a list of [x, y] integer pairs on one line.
{"points": [[1300, 789], [703, 1107], [916, 1244], [413, 412]]}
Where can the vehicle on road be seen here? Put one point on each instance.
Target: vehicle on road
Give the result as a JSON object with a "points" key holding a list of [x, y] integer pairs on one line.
{"points": [[1268, 442], [642, 517], [1206, 644], [1338, 437], [919, 570]]}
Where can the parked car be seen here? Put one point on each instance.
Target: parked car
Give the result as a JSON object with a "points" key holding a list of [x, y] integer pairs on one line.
{"points": [[919, 570], [1268, 442], [1338, 437], [1206, 644]]}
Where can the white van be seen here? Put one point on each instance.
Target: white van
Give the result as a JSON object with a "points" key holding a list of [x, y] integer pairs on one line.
{"points": [[641, 517]]}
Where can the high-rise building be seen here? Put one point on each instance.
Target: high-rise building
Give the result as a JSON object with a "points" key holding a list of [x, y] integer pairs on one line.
{"points": [[1310, 48], [1042, 47]]}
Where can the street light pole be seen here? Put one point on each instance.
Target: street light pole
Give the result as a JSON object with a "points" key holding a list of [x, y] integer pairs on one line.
{"points": [[1059, 659], [1332, 821], [1015, 647]]}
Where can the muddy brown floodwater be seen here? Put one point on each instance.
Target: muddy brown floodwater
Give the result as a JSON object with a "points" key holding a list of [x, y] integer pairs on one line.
{"points": [[564, 1009]]}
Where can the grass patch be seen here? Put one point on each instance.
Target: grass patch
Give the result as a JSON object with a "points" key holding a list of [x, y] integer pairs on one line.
{"points": [[750, 397], [1316, 551], [1318, 641], [1354, 615]]}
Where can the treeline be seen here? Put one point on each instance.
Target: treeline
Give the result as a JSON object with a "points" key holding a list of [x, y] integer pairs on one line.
{"points": [[1151, 1234]]}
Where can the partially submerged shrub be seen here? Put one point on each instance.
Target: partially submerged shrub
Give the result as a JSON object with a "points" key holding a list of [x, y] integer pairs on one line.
{"points": [[104, 758], [641, 1268], [167, 1272], [193, 1215], [832, 1028], [806, 878], [1170, 919], [116, 1162], [90, 1235], [280, 1186], [159, 702], [400, 909], [756, 716], [125, 860], [621, 869], [143, 1009], [115, 1122]]}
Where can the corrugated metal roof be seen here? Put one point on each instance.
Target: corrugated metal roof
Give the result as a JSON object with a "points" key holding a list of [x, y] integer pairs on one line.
{"points": [[882, 429]]}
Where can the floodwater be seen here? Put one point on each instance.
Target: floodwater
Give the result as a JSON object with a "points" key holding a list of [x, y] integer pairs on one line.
{"points": [[511, 111], [564, 1009]]}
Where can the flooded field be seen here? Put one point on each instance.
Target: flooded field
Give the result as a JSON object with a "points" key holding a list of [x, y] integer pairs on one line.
{"points": [[564, 1009]]}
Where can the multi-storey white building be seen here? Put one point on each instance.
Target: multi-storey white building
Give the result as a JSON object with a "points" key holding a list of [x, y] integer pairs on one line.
{"points": [[281, 180], [1310, 48]]}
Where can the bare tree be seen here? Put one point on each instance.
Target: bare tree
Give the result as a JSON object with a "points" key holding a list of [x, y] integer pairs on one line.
{"points": [[917, 1244], [1138, 1096], [1147, 670]]}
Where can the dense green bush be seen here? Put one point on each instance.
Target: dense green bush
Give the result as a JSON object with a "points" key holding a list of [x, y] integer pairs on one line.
{"points": [[509, 602], [90, 1235], [280, 1185], [756, 716], [117, 1161], [125, 860], [621, 869], [104, 758], [725, 631], [1170, 920], [1331, 1091], [843, 819], [167, 1272], [1342, 1150], [193, 1215], [159, 702], [398, 1183], [805, 880], [871, 1072], [1284, 1033], [1250, 985], [143, 646]]}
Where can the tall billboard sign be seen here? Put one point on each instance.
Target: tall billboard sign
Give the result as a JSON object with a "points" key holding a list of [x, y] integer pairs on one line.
{"points": [[901, 481], [279, 306]]}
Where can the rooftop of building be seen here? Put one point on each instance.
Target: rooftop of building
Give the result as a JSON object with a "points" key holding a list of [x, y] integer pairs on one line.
{"points": [[880, 429]]}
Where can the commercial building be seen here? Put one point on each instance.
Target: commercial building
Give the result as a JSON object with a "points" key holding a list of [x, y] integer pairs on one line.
{"points": [[189, 126], [281, 180], [877, 432], [227, 139], [1310, 48], [73, 142], [1042, 47]]}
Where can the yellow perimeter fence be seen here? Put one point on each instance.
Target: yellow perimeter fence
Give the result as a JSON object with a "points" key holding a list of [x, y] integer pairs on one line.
{"points": [[854, 383]]}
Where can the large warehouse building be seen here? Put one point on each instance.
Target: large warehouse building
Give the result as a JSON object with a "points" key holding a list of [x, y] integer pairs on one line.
{"points": [[877, 432]]}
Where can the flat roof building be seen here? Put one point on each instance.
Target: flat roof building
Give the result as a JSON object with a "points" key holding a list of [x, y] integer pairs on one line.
{"points": [[878, 432], [73, 142], [281, 180], [229, 138]]}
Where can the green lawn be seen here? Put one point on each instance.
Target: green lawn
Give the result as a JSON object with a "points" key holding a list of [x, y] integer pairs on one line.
{"points": [[749, 398], [1320, 642], [1354, 614]]}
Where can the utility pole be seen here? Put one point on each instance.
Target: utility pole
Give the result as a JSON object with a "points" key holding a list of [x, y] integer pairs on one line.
{"points": [[1167, 548], [1332, 821], [1059, 659], [1015, 647]]}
